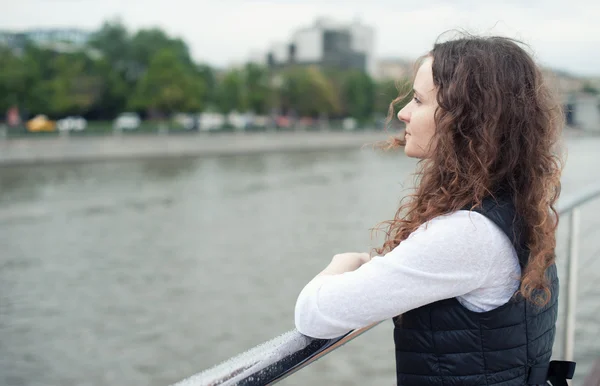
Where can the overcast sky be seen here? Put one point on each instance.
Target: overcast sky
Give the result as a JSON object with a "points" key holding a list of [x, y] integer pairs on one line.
{"points": [[562, 34]]}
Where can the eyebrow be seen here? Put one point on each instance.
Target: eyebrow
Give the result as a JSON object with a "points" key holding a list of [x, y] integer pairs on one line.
{"points": [[418, 94]]}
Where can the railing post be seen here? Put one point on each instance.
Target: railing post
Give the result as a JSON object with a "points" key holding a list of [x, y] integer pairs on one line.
{"points": [[571, 304]]}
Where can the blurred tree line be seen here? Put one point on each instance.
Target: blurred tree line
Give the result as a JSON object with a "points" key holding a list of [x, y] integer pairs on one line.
{"points": [[152, 73]]}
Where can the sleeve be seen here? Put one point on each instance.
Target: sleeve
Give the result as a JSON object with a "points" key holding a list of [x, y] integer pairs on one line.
{"points": [[447, 257]]}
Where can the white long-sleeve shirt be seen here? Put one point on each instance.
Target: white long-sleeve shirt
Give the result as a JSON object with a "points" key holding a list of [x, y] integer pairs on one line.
{"points": [[463, 255]]}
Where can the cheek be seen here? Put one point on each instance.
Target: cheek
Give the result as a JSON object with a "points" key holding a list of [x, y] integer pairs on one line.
{"points": [[423, 128], [428, 124], [423, 124]]}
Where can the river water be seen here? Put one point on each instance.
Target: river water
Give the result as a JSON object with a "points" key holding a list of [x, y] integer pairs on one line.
{"points": [[146, 272]]}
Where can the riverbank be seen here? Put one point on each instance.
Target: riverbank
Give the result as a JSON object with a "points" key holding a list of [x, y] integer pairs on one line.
{"points": [[27, 151]]}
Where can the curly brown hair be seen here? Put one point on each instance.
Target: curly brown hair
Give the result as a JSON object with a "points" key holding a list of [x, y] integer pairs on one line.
{"points": [[497, 128]]}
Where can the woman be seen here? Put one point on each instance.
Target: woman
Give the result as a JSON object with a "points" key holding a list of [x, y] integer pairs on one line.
{"points": [[467, 267]]}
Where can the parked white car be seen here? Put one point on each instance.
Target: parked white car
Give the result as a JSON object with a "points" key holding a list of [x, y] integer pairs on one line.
{"points": [[127, 121], [187, 121], [211, 121], [71, 124], [240, 121], [349, 124]]}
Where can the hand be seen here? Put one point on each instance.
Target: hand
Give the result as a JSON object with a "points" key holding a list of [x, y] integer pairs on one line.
{"points": [[346, 262], [358, 257]]}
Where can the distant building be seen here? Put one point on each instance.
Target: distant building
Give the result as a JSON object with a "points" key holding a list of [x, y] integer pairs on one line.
{"points": [[562, 83], [73, 36], [583, 109], [327, 44], [12, 40], [393, 69], [49, 37]]}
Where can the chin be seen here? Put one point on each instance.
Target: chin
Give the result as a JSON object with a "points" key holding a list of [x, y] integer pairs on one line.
{"points": [[412, 154], [408, 151]]}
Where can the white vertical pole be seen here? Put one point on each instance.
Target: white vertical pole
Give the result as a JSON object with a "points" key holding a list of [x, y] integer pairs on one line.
{"points": [[572, 267]]}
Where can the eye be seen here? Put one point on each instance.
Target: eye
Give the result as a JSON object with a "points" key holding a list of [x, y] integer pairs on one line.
{"points": [[417, 101]]}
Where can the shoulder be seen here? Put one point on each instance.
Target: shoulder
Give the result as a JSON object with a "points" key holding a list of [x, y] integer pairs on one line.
{"points": [[462, 221], [464, 230], [463, 244]]}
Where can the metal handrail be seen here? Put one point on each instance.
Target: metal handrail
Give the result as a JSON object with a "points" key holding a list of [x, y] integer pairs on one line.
{"points": [[280, 357], [571, 205], [271, 361]]}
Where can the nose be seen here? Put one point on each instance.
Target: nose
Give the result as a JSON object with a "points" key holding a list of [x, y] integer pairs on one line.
{"points": [[404, 115]]}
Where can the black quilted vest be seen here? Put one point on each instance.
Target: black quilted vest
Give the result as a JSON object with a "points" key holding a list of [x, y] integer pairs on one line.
{"points": [[443, 343]]}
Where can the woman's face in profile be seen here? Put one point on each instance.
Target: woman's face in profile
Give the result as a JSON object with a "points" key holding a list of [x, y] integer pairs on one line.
{"points": [[418, 115]]}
